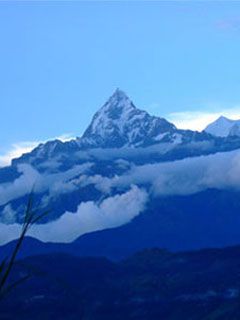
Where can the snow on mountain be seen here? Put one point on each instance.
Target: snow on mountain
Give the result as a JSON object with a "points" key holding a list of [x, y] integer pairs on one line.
{"points": [[119, 123], [224, 127]]}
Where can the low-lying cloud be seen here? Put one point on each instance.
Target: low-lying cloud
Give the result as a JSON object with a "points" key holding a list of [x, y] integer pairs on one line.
{"points": [[90, 216], [187, 176], [55, 183], [181, 177], [20, 186]]}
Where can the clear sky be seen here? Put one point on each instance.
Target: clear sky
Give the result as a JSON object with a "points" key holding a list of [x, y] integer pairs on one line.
{"points": [[59, 62]]}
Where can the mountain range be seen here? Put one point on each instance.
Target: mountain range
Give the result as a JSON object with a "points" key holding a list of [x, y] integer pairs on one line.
{"points": [[120, 125], [130, 182]]}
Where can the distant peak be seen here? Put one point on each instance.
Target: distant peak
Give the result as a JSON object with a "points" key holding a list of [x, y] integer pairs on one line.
{"points": [[223, 118], [222, 126]]}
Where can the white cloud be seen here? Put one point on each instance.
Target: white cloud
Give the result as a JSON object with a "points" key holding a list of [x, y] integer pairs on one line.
{"points": [[90, 216], [8, 215], [187, 176], [16, 150], [19, 148], [190, 175], [55, 183], [181, 177], [20, 186], [9, 232], [198, 120]]}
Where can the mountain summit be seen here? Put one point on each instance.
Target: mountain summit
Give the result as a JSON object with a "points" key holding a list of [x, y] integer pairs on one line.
{"points": [[119, 123]]}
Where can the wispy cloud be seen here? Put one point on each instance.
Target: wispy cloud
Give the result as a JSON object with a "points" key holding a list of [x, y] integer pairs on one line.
{"points": [[181, 177], [19, 148], [54, 183], [198, 120]]}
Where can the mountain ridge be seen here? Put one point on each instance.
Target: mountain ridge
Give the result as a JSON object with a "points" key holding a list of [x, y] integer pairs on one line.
{"points": [[120, 124]]}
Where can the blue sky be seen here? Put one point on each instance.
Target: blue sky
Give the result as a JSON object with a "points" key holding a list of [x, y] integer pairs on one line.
{"points": [[60, 61]]}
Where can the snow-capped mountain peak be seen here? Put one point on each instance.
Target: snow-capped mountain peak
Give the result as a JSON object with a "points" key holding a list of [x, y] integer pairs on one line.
{"points": [[118, 108], [223, 127], [119, 123]]}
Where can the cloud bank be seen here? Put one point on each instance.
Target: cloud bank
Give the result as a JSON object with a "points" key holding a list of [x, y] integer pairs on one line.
{"points": [[55, 183], [90, 216], [186, 176], [181, 177]]}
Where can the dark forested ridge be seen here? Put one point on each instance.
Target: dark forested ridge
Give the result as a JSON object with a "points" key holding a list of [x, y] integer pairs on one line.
{"points": [[152, 284]]}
